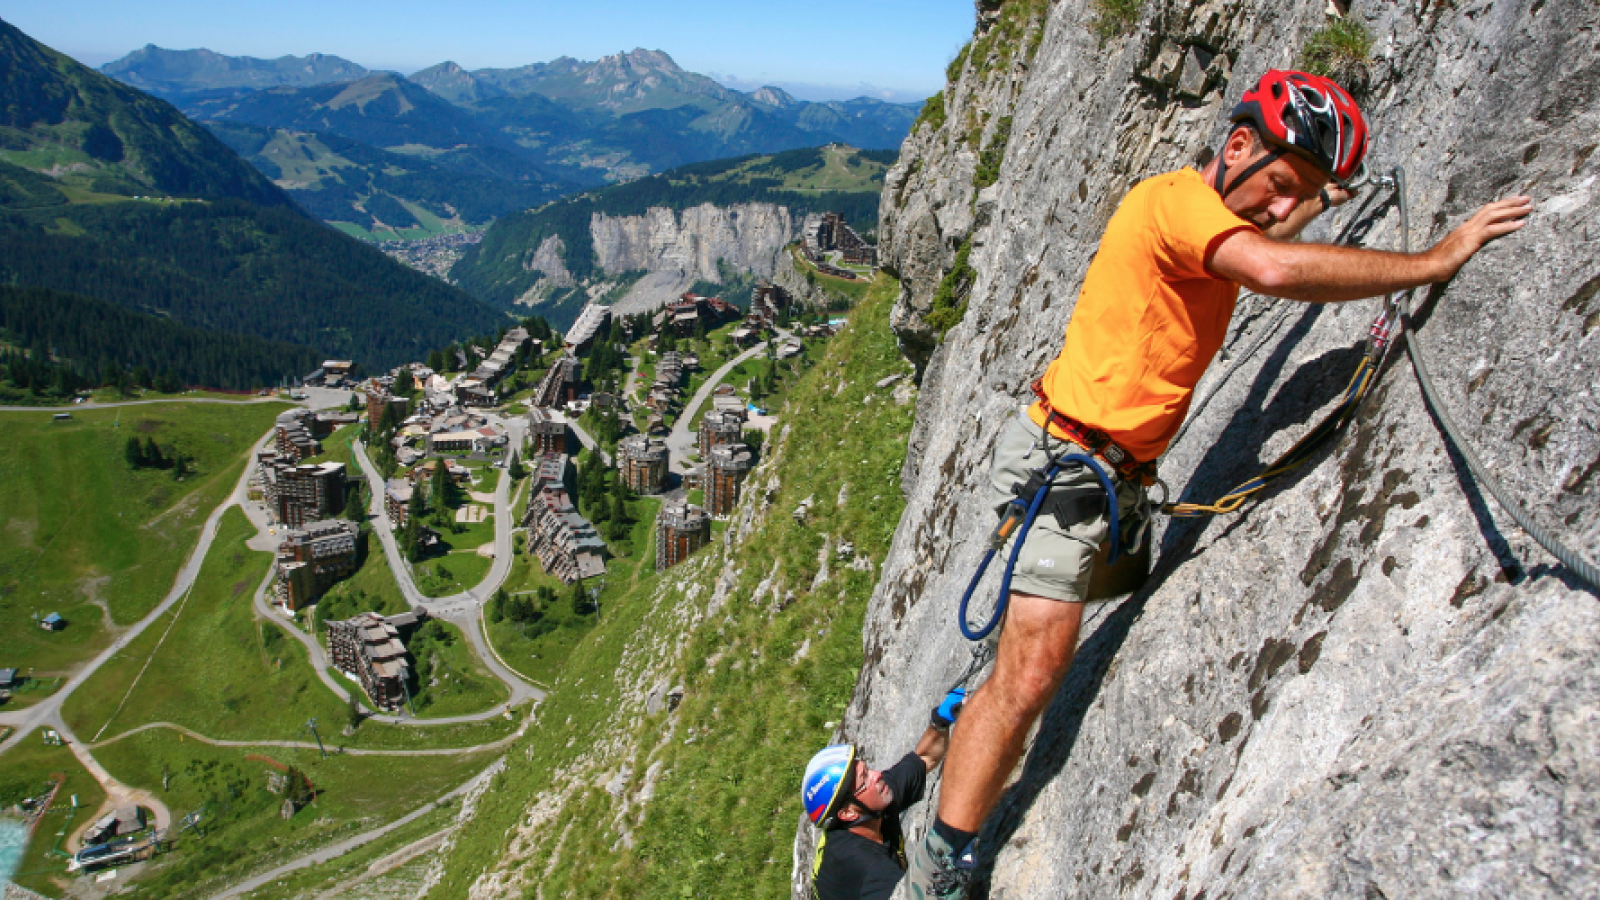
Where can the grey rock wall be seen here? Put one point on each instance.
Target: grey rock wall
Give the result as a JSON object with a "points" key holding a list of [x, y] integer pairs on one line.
{"points": [[1370, 683], [677, 249]]}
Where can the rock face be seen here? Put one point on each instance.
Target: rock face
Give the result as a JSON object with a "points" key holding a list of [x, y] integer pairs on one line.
{"points": [[676, 249], [1370, 683]]}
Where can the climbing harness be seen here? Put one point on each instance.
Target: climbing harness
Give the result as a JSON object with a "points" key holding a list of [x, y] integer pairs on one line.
{"points": [[1019, 516]]}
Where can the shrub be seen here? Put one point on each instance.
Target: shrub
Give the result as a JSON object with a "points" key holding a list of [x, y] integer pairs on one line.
{"points": [[1340, 51], [950, 297], [1114, 18], [932, 113]]}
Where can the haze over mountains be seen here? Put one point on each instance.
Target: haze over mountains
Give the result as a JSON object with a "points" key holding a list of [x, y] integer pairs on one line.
{"points": [[384, 155]]}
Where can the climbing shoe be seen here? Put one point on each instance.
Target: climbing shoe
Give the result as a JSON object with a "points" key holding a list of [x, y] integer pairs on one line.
{"points": [[937, 871]]}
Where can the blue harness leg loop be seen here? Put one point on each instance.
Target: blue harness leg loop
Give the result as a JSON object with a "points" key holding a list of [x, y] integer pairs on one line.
{"points": [[1034, 504]]}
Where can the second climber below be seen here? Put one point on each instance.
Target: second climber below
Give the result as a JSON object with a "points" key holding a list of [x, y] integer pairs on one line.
{"points": [[1152, 312], [860, 851]]}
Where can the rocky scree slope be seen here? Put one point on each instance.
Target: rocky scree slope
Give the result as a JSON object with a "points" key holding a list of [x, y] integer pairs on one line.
{"points": [[1369, 683]]}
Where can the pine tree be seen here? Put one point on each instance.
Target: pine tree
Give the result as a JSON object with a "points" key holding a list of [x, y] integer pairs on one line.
{"points": [[134, 453], [354, 509]]}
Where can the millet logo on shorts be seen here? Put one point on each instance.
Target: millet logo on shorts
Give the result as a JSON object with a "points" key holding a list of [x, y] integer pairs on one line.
{"points": [[1047, 563]]}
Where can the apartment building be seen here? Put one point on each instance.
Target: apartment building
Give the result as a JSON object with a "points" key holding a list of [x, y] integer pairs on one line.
{"points": [[296, 494], [565, 543], [369, 647], [681, 529], [560, 384], [548, 431], [312, 558], [718, 427], [725, 471], [643, 463]]}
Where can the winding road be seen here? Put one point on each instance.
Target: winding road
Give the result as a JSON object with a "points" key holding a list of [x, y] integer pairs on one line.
{"points": [[682, 440], [462, 609]]}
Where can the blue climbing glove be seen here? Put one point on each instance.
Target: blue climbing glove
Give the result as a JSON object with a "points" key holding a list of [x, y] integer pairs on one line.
{"points": [[945, 714]]}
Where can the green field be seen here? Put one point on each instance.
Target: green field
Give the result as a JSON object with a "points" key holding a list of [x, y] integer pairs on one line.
{"points": [[230, 676], [452, 680], [244, 832], [88, 536], [219, 671]]}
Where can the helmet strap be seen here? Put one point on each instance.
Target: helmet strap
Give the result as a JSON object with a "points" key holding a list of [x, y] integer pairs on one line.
{"points": [[1268, 159], [866, 816]]}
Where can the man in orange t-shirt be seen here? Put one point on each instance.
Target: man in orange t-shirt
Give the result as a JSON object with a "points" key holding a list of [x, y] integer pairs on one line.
{"points": [[1153, 311]]}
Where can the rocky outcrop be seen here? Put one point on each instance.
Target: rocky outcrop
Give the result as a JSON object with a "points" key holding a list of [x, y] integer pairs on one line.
{"points": [[928, 209], [672, 250], [549, 260], [1370, 683]]}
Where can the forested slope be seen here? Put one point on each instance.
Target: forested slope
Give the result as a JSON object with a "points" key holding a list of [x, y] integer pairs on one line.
{"points": [[107, 193]]}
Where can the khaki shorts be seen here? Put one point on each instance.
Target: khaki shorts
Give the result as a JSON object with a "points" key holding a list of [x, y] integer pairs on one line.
{"points": [[1054, 562]]}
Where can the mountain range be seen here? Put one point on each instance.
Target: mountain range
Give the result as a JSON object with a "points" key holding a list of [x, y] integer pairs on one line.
{"points": [[111, 196], [381, 155]]}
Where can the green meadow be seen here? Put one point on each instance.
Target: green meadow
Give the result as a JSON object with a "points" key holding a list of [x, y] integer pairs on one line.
{"points": [[90, 537]]}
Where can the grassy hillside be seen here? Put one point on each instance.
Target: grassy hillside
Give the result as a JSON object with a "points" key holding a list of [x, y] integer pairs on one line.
{"points": [[838, 179], [90, 537], [95, 134], [108, 193], [379, 193], [617, 801]]}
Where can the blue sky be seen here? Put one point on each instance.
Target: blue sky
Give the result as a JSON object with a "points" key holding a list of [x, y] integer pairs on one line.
{"points": [[891, 48]]}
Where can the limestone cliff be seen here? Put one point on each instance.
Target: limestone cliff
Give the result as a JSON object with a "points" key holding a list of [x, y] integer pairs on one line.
{"points": [[676, 249], [1370, 683]]}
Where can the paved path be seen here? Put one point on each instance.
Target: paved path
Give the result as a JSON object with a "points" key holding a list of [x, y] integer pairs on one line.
{"points": [[587, 441], [459, 609], [500, 744], [345, 846], [682, 441], [316, 398]]}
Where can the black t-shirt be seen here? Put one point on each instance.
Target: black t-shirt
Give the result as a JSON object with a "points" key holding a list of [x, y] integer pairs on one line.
{"points": [[858, 868]]}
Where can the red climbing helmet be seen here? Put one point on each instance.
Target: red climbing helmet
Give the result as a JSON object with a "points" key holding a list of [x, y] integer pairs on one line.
{"points": [[1310, 116]]}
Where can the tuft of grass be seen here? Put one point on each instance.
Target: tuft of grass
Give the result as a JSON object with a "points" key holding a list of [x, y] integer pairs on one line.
{"points": [[1339, 50], [1114, 18], [992, 156], [932, 113], [953, 70], [950, 297]]}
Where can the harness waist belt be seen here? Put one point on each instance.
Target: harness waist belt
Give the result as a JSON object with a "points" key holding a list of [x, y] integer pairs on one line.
{"points": [[1096, 441]]}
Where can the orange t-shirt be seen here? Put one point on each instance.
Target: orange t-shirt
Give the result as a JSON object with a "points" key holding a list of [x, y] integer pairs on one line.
{"points": [[1149, 317]]}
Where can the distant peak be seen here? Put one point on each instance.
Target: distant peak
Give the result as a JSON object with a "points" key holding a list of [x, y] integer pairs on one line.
{"points": [[773, 96]]}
